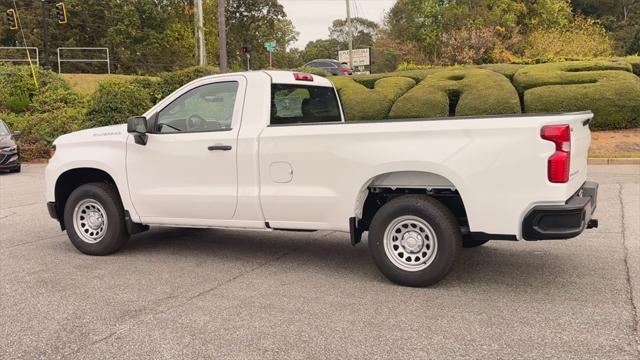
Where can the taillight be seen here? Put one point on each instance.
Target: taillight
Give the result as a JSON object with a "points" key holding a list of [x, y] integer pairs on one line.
{"points": [[302, 76], [345, 69], [559, 163]]}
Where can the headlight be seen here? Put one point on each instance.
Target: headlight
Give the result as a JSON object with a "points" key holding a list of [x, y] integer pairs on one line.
{"points": [[9, 149]]}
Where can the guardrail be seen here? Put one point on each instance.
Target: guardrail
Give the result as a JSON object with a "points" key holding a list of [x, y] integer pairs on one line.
{"points": [[61, 60], [25, 59]]}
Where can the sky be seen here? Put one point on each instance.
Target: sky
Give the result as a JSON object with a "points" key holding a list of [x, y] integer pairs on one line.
{"points": [[312, 18]]}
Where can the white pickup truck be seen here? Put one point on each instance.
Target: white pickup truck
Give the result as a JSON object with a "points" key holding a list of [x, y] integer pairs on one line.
{"points": [[271, 150]]}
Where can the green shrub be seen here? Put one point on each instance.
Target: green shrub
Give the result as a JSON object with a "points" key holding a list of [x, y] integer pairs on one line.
{"points": [[477, 92], [40, 129], [171, 81], [565, 73], [361, 103], [17, 87], [114, 101], [18, 103], [41, 114], [583, 38], [608, 88]]}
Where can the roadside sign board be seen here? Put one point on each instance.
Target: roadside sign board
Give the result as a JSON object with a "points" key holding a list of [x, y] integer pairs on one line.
{"points": [[270, 45], [361, 57]]}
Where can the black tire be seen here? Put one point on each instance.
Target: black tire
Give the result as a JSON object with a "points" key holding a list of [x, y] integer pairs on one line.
{"points": [[469, 242], [443, 224], [115, 232], [17, 169]]}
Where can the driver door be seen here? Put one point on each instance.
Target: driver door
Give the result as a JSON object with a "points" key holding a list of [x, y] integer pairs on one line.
{"points": [[187, 172]]}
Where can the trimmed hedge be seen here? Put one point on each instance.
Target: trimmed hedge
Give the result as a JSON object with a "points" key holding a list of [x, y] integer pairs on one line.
{"points": [[361, 103], [508, 70], [476, 91], [608, 88], [635, 63], [417, 75], [565, 73]]}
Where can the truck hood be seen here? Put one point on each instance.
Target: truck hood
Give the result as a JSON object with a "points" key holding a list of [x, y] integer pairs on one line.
{"points": [[105, 133]]}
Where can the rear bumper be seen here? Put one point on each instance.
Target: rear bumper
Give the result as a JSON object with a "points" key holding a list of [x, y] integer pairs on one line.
{"points": [[566, 221]]}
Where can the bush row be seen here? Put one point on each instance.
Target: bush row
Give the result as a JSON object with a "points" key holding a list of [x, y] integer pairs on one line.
{"points": [[609, 88], [45, 112]]}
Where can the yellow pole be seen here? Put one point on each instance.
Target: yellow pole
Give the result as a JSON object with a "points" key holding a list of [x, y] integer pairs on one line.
{"points": [[24, 41]]}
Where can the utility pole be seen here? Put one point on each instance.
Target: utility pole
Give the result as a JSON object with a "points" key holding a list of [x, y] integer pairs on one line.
{"points": [[222, 35], [199, 20], [45, 32], [350, 35]]}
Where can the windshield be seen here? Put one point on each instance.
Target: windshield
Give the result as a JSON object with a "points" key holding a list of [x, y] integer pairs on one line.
{"points": [[4, 130]]}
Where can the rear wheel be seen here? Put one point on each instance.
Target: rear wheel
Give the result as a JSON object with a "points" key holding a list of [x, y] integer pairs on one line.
{"points": [[94, 219], [414, 240]]}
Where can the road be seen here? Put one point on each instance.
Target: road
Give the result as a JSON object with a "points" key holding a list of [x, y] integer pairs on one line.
{"points": [[179, 293]]}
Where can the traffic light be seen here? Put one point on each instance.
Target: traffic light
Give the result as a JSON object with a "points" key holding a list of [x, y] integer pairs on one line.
{"points": [[245, 49], [61, 13], [12, 19]]}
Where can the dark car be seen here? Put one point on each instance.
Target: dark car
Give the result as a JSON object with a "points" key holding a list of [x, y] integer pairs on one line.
{"points": [[9, 151], [334, 67]]}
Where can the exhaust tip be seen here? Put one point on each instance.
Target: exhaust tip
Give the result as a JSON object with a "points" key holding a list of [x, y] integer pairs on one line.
{"points": [[592, 224]]}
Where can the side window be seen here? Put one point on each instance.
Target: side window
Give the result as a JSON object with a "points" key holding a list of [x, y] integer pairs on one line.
{"points": [[205, 108], [296, 104]]}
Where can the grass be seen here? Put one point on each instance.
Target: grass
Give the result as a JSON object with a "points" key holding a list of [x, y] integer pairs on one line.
{"points": [[86, 84], [615, 144]]}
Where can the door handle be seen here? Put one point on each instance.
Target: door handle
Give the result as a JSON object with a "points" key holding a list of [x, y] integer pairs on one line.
{"points": [[219, 147]]}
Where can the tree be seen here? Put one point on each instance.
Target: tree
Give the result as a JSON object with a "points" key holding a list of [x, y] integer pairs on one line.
{"points": [[322, 49], [363, 31], [254, 22], [144, 36], [418, 21], [634, 46]]}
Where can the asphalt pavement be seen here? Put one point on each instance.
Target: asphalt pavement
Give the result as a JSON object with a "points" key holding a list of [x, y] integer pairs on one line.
{"points": [[195, 293]]}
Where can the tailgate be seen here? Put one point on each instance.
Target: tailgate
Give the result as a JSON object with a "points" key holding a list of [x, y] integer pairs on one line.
{"points": [[580, 142]]}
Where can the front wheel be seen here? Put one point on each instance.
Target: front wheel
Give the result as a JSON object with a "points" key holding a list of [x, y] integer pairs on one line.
{"points": [[414, 240], [94, 219]]}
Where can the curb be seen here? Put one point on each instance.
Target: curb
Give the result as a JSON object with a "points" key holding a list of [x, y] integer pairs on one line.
{"points": [[614, 161]]}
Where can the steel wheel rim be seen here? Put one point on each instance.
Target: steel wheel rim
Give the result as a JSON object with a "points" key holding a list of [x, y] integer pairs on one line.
{"points": [[410, 243], [90, 221]]}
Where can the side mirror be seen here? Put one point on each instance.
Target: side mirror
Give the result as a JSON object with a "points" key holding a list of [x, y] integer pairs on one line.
{"points": [[16, 135], [137, 125]]}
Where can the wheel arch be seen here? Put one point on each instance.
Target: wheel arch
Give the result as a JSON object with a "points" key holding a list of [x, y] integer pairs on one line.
{"points": [[71, 179], [380, 188]]}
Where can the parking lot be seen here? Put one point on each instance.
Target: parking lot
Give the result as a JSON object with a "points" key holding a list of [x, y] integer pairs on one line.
{"points": [[194, 293]]}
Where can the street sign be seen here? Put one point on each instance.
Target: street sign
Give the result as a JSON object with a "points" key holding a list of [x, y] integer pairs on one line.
{"points": [[270, 45], [361, 57]]}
